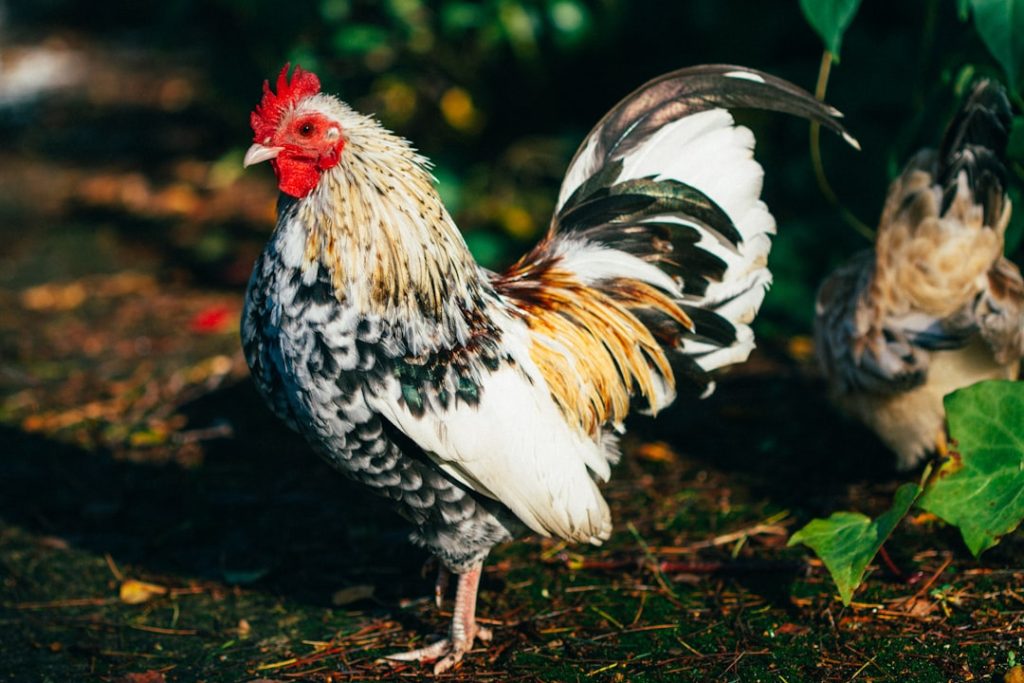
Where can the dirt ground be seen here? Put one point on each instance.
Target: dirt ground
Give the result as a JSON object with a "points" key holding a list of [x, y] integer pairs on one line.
{"points": [[156, 523]]}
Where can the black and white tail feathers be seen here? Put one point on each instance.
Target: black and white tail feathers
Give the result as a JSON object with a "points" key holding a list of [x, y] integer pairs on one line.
{"points": [[667, 176], [975, 143]]}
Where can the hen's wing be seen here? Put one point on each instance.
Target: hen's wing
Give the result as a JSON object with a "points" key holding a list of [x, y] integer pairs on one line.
{"points": [[857, 352], [999, 312]]}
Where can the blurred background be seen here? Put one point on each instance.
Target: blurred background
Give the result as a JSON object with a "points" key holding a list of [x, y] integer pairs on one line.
{"points": [[128, 229], [123, 126]]}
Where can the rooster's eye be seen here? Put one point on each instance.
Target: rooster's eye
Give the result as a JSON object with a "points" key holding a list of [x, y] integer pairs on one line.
{"points": [[306, 129]]}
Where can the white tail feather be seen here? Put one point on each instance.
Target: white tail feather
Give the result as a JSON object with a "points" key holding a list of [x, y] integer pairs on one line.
{"points": [[710, 153]]}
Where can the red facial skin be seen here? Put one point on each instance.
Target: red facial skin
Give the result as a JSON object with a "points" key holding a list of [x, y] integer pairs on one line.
{"points": [[312, 144]]}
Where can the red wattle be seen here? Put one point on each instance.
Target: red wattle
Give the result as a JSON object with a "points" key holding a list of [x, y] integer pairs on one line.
{"points": [[296, 177], [330, 158]]}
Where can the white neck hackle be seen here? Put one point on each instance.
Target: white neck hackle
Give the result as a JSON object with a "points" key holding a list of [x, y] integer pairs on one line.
{"points": [[378, 224]]}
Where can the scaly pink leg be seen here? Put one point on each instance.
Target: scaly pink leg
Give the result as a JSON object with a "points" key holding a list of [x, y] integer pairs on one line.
{"points": [[449, 651]]}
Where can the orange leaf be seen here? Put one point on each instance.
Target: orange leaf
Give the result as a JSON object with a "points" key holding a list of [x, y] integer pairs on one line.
{"points": [[143, 677], [137, 592], [658, 451]]}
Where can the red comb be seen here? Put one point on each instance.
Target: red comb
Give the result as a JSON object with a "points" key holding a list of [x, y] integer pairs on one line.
{"points": [[267, 115]]}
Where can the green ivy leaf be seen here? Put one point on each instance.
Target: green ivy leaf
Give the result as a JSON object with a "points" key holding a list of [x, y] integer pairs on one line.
{"points": [[847, 541], [1000, 24], [982, 490], [830, 18]]}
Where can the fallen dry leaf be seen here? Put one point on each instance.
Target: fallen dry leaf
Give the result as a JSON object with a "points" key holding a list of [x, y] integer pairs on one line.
{"points": [[922, 518], [137, 592], [54, 297], [792, 629], [800, 348], [350, 594], [143, 677], [54, 543], [657, 451], [921, 607]]}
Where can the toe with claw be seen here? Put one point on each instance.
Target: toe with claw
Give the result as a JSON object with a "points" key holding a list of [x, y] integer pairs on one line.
{"points": [[444, 653], [448, 652]]}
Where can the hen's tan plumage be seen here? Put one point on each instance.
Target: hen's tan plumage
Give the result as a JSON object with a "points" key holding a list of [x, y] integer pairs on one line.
{"points": [[935, 306]]}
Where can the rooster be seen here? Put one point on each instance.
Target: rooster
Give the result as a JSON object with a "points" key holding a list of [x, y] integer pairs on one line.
{"points": [[485, 405], [935, 306]]}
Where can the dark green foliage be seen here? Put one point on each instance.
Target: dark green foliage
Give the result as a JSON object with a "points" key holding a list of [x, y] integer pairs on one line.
{"points": [[830, 18], [1001, 25], [499, 93]]}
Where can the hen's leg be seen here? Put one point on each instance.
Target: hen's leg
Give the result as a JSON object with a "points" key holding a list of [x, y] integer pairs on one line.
{"points": [[449, 651]]}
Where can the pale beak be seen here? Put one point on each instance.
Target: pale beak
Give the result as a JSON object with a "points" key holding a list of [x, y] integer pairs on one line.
{"points": [[258, 153]]}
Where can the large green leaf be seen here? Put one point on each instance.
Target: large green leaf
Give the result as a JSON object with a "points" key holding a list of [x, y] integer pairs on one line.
{"points": [[1000, 24], [847, 541], [981, 490], [830, 18]]}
